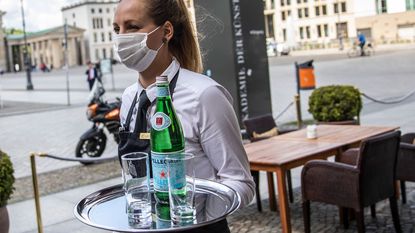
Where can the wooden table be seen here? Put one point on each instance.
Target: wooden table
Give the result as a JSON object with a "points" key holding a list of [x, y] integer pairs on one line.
{"points": [[281, 153]]}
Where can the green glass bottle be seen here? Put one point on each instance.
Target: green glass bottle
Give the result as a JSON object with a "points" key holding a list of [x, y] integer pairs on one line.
{"points": [[167, 138]]}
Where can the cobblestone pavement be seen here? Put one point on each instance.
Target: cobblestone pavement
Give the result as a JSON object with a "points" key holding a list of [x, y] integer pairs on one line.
{"points": [[324, 218]]}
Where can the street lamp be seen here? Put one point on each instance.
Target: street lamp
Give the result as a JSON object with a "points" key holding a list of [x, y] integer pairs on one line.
{"points": [[26, 56]]}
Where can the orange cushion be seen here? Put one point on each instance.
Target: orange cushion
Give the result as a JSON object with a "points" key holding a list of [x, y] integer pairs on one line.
{"points": [[267, 134]]}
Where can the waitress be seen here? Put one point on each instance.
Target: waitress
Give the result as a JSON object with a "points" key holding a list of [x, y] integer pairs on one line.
{"points": [[154, 38]]}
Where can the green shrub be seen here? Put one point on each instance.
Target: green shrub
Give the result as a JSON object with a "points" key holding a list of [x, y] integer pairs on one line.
{"points": [[6, 178], [335, 103]]}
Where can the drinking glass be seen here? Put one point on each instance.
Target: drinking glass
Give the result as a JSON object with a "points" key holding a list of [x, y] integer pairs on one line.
{"points": [[135, 173], [181, 182]]}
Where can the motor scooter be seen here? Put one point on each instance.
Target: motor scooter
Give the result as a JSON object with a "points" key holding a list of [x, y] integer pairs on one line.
{"points": [[104, 116]]}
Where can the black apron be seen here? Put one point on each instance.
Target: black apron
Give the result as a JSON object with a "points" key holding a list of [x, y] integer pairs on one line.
{"points": [[131, 142]]}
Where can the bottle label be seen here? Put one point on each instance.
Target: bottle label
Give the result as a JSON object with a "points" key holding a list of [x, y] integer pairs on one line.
{"points": [[161, 169], [160, 121], [163, 91]]}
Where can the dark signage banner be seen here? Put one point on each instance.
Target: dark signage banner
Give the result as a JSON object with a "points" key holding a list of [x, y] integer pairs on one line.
{"points": [[233, 41]]}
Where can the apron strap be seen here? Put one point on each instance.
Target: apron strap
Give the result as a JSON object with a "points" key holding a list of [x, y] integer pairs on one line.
{"points": [[130, 114]]}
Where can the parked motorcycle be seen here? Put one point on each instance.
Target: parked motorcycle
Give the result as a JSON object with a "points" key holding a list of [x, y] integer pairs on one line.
{"points": [[104, 116]]}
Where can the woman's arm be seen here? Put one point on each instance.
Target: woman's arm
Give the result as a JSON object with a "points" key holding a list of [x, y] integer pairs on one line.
{"points": [[221, 141]]}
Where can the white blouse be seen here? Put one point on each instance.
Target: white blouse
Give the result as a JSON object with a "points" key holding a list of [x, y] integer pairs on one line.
{"points": [[210, 128]]}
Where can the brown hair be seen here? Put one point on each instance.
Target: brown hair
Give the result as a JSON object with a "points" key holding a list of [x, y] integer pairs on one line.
{"points": [[183, 45]]}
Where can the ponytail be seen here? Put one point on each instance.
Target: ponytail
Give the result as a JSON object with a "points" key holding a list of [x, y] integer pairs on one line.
{"points": [[183, 45]]}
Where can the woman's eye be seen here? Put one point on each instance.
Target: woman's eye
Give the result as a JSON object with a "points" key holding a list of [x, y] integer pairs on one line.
{"points": [[133, 28], [116, 30]]}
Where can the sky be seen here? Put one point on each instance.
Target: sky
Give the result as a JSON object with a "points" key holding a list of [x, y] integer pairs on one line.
{"points": [[39, 14]]}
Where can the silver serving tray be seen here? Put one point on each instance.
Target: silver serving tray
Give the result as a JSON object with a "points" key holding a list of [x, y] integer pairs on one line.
{"points": [[105, 209]]}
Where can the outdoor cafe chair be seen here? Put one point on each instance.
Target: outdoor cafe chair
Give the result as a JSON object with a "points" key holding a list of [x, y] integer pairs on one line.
{"points": [[406, 162], [371, 180], [259, 128]]}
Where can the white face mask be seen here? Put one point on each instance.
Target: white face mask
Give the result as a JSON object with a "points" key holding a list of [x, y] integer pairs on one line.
{"points": [[133, 51]]}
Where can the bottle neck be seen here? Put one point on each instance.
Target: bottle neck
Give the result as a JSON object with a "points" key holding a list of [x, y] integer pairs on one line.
{"points": [[163, 90]]}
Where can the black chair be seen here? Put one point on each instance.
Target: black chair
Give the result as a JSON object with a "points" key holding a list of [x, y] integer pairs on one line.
{"points": [[258, 128], [405, 167], [355, 187]]}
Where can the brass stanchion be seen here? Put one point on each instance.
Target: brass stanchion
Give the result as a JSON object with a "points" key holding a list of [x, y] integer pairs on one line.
{"points": [[36, 193], [298, 108]]}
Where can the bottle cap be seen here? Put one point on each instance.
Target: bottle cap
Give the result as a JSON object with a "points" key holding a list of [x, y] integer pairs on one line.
{"points": [[161, 80]]}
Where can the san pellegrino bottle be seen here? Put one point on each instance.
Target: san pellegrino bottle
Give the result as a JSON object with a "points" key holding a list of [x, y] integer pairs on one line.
{"points": [[167, 139]]}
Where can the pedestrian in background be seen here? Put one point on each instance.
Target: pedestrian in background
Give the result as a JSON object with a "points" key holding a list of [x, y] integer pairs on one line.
{"points": [[362, 41], [156, 38], [91, 74]]}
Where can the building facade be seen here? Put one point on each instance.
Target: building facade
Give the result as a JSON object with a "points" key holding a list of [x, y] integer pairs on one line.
{"points": [[307, 22], [47, 46], [3, 64], [96, 17], [324, 22]]}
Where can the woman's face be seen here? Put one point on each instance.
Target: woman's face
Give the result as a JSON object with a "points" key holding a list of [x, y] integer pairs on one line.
{"points": [[131, 17]]}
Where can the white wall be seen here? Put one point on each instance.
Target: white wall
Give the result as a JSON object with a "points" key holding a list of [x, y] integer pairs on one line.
{"points": [[395, 6], [365, 7]]}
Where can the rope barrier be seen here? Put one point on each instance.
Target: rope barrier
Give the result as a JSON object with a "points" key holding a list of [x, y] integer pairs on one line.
{"points": [[285, 110], [36, 184], [399, 100], [88, 160]]}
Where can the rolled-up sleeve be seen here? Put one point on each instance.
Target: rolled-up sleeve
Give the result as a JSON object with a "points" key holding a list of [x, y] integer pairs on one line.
{"points": [[221, 141]]}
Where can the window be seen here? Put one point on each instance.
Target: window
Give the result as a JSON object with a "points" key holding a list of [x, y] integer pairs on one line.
{"points": [[381, 6], [99, 10], [73, 15], [272, 4], [324, 9], [270, 25], [108, 10], [301, 33], [104, 53], [317, 11], [410, 5], [95, 37], [336, 8], [326, 30], [300, 13], [102, 22], [284, 34], [102, 37], [319, 31], [306, 12], [304, 1], [298, 1], [282, 2], [40, 45], [307, 30], [283, 15], [92, 10], [288, 2], [109, 22], [34, 46], [344, 7], [110, 36], [288, 13], [96, 54], [93, 23]]}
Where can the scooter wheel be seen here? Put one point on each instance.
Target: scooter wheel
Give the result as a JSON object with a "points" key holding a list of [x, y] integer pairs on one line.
{"points": [[91, 147]]}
